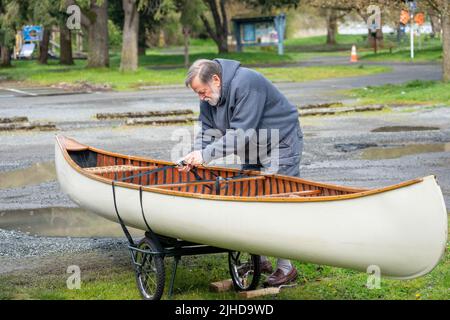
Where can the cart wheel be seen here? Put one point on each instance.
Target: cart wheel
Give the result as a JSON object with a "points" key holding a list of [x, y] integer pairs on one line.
{"points": [[150, 275], [245, 270]]}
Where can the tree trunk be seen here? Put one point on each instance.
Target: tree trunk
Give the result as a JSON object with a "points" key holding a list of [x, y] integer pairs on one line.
{"points": [[220, 34], [446, 46], [98, 55], [65, 45], [43, 47], [5, 57], [331, 27], [129, 61], [186, 33], [435, 24]]}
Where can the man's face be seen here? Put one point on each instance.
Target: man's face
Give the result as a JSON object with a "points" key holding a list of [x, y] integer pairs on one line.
{"points": [[209, 92]]}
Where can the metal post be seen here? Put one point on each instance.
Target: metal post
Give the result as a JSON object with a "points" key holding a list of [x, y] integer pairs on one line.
{"points": [[412, 9], [237, 35], [412, 35], [280, 24], [176, 259]]}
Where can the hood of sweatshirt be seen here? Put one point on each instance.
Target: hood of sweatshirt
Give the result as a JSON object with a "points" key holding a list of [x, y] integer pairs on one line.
{"points": [[229, 68]]}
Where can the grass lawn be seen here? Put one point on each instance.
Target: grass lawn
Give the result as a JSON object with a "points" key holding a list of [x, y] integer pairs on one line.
{"points": [[116, 281], [317, 73], [432, 54], [32, 73], [161, 66], [414, 92]]}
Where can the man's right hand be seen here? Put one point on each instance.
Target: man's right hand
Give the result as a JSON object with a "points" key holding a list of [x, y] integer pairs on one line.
{"points": [[191, 160]]}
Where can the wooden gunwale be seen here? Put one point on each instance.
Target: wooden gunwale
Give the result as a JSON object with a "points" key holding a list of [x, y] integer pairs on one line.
{"points": [[358, 192]]}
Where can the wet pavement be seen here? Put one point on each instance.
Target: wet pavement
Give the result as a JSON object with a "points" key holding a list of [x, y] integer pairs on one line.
{"points": [[360, 149]]}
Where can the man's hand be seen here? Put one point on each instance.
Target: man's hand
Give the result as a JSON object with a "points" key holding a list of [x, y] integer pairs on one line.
{"points": [[193, 159]]}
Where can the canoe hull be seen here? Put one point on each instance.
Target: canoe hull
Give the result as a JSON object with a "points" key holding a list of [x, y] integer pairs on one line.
{"points": [[403, 232]]}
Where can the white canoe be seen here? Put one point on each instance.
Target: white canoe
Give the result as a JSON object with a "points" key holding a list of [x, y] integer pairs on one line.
{"points": [[400, 229]]}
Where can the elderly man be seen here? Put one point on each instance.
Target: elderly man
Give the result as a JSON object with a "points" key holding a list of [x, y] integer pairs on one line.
{"points": [[236, 99]]}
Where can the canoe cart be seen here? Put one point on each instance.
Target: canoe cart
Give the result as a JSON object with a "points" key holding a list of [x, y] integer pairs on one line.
{"points": [[148, 256], [399, 229]]}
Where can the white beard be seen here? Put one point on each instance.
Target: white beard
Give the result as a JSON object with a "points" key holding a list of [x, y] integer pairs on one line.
{"points": [[215, 96]]}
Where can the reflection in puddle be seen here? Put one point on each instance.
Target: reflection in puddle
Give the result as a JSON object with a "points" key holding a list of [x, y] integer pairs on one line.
{"points": [[37, 173], [61, 222], [397, 152], [403, 128]]}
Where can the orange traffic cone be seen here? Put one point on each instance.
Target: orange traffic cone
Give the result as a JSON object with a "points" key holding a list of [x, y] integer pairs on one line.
{"points": [[354, 56]]}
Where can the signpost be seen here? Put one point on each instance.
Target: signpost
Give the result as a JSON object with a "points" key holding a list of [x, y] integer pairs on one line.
{"points": [[374, 23], [412, 8]]}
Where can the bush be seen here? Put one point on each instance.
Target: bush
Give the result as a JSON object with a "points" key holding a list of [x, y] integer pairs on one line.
{"points": [[115, 35]]}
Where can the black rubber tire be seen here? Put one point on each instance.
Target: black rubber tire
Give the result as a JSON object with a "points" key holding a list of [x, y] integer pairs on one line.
{"points": [[150, 278], [239, 262]]}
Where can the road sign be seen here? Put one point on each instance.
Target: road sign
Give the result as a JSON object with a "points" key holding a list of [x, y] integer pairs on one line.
{"points": [[419, 18], [32, 33], [404, 17]]}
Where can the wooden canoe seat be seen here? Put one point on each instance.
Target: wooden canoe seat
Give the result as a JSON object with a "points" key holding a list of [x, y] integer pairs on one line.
{"points": [[118, 168], [304, 193]]}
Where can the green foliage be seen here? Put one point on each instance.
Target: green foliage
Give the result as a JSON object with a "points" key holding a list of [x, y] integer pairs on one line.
{"points": [[115, 35], [414, 92], [45, 12], [266, 6]]}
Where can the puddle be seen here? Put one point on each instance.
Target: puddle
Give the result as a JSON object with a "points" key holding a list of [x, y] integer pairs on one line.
{"points": [[61, 222], [404, 128], [37, 173], [347, 147], [397, 152]]}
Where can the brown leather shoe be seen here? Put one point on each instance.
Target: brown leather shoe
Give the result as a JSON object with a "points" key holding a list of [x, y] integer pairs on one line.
{"points": [[278, 278], [266, 267]]}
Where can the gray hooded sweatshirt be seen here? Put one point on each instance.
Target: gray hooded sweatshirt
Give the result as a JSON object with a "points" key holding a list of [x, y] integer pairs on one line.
{"points": [[248, 101]]}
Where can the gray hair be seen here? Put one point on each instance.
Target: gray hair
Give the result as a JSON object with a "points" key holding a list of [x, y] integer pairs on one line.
{"points": [[204, 69]]}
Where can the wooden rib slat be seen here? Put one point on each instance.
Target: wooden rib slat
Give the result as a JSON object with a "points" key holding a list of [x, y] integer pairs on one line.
{"points": [[267, 186], [237, 189], [119, 163], [169, 175], [260, 184], [244, 189], [252, 186], [175, 176], [288, 187]]}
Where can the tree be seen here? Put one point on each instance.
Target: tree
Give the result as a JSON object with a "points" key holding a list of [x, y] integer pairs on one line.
{"points": [[65, 44], [267, 6], [94, 17], [130, 38], [220, 31], [190, 10], [129, 58], [9, 11], [442, 8], [44, 13]]}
